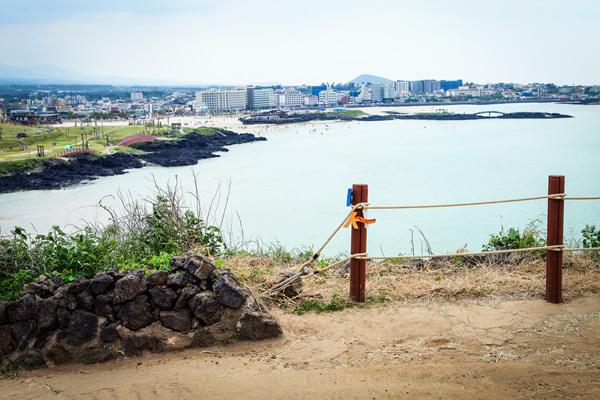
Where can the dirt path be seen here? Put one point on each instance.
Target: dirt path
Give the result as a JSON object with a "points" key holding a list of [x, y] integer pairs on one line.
{"points": [[468, 350]]}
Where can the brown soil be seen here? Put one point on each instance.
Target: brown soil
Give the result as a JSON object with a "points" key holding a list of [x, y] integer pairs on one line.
{"points": [[468, 349]]}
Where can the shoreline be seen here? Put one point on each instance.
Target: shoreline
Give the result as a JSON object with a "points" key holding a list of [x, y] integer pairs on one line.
{"points": [[283, 118], [59, 173]]}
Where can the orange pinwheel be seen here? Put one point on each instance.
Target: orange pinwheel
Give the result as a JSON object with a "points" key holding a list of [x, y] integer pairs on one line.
{"points": [[354, 219]]}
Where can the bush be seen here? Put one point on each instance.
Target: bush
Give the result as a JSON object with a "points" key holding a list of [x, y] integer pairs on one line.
{"points": [[514, 239], [141, 239], [591, 238]]}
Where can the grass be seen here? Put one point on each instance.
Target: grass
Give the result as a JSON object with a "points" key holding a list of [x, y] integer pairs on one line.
{"points": [[7, 370], [54, 139], [346, 113], [17, 155], [397, 282], [202, 130], [12, 167]]}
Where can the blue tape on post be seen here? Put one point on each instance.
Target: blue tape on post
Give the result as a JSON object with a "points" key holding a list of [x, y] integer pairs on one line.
{"points": [[349, 198]]}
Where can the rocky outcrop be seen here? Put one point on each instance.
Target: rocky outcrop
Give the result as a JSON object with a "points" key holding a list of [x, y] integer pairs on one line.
{"points": [[56, 173], [116, 313]]}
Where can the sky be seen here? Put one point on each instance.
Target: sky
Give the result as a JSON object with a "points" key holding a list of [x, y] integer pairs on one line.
{"points": [[307, 41]]}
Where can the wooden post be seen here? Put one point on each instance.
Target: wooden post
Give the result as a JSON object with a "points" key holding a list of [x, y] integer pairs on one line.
{"points": [[556, 212], [360, 194]]}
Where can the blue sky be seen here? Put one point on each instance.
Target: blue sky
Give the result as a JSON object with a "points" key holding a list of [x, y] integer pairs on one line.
{"points": [[240, 42]]}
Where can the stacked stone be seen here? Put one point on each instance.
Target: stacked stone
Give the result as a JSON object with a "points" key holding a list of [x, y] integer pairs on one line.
{"points": [[116, 313]]}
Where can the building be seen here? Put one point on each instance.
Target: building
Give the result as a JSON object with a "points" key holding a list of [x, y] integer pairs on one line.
{"points": [[30, 117], [402, 88], [223, 99], [263, 98], [447, 85], [377, 93], [389, 91], [311, 100], [289, 97], [136, 96], [329, 96], [425, 86]]}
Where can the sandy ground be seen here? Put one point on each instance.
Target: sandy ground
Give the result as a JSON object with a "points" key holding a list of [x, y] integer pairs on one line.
{"points": [[465, 349]]}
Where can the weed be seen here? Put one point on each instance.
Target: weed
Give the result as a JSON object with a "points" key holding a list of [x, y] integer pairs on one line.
{"points": [[319, 306]]}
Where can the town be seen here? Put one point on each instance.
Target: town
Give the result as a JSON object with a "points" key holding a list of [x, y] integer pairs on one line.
{"points": [[47, 104]]}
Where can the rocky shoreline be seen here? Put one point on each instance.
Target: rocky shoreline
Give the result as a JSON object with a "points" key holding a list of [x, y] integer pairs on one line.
{"points": [[284, 118], [60, 173]]}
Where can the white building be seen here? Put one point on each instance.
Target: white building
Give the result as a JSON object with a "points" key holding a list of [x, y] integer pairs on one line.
{"points": [[136, 96], [290, 98], [264, 98], [311, 100], [329, 96], [389, 90], [377, 92], [402, 88], [222, 99]]}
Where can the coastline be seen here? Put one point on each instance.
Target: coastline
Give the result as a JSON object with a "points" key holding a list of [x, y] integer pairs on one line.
{"points": [[58, 173]]}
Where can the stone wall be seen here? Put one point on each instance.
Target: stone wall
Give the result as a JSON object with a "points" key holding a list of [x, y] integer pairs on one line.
{"points": [[126, 313]]}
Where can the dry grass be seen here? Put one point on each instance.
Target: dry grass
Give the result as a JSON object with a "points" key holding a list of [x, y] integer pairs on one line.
{"points": [[446, 280]]}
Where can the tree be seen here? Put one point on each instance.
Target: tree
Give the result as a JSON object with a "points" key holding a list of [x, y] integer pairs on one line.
{"points": [[1, 128]]}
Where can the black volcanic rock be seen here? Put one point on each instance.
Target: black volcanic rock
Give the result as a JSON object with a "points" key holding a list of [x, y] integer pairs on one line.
{"points": [[59, 173], [136, 314], [101, 283]]}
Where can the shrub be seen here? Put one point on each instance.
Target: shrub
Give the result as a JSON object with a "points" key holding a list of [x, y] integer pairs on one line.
{"points": [[514, 239], [591, 238], [142, 238]]}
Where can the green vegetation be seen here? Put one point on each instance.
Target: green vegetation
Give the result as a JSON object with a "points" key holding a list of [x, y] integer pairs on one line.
{"points": [[591, 238], [142, 238], [319, 306], [54, 139], [336, 303], [202, 130], [12, 167], [514, 239], [20, 154], [342, 114]]}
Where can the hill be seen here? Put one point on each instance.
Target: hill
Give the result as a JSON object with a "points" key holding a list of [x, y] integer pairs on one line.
{"points": [[366, 78]]}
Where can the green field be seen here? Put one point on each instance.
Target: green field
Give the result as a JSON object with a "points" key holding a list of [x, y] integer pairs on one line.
{"points": [[345, 113], [19, 154]]}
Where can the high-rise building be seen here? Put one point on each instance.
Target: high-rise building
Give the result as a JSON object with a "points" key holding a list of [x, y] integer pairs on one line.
{"points": [[223, 99], [377, 92], [389, 91], [402, 87], [425, 86], [447, 85], [263, 98], [290, 98]]}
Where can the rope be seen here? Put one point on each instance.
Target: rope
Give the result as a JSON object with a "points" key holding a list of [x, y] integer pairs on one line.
{"points": [[581, 249], [325, 243], [367, 206], [364, 256], [305, 271], [582, 198], [467, 254]]}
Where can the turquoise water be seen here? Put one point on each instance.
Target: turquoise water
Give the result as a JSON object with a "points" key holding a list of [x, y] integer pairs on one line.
{"points": [[292, 188]]}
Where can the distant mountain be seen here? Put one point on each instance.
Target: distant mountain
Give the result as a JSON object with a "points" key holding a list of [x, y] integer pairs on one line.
{"points": [[41, 73], [366, 78], [50, 74]]}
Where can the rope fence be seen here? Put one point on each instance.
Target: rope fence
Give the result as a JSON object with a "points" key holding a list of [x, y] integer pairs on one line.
{"points": [[358, 257]]}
